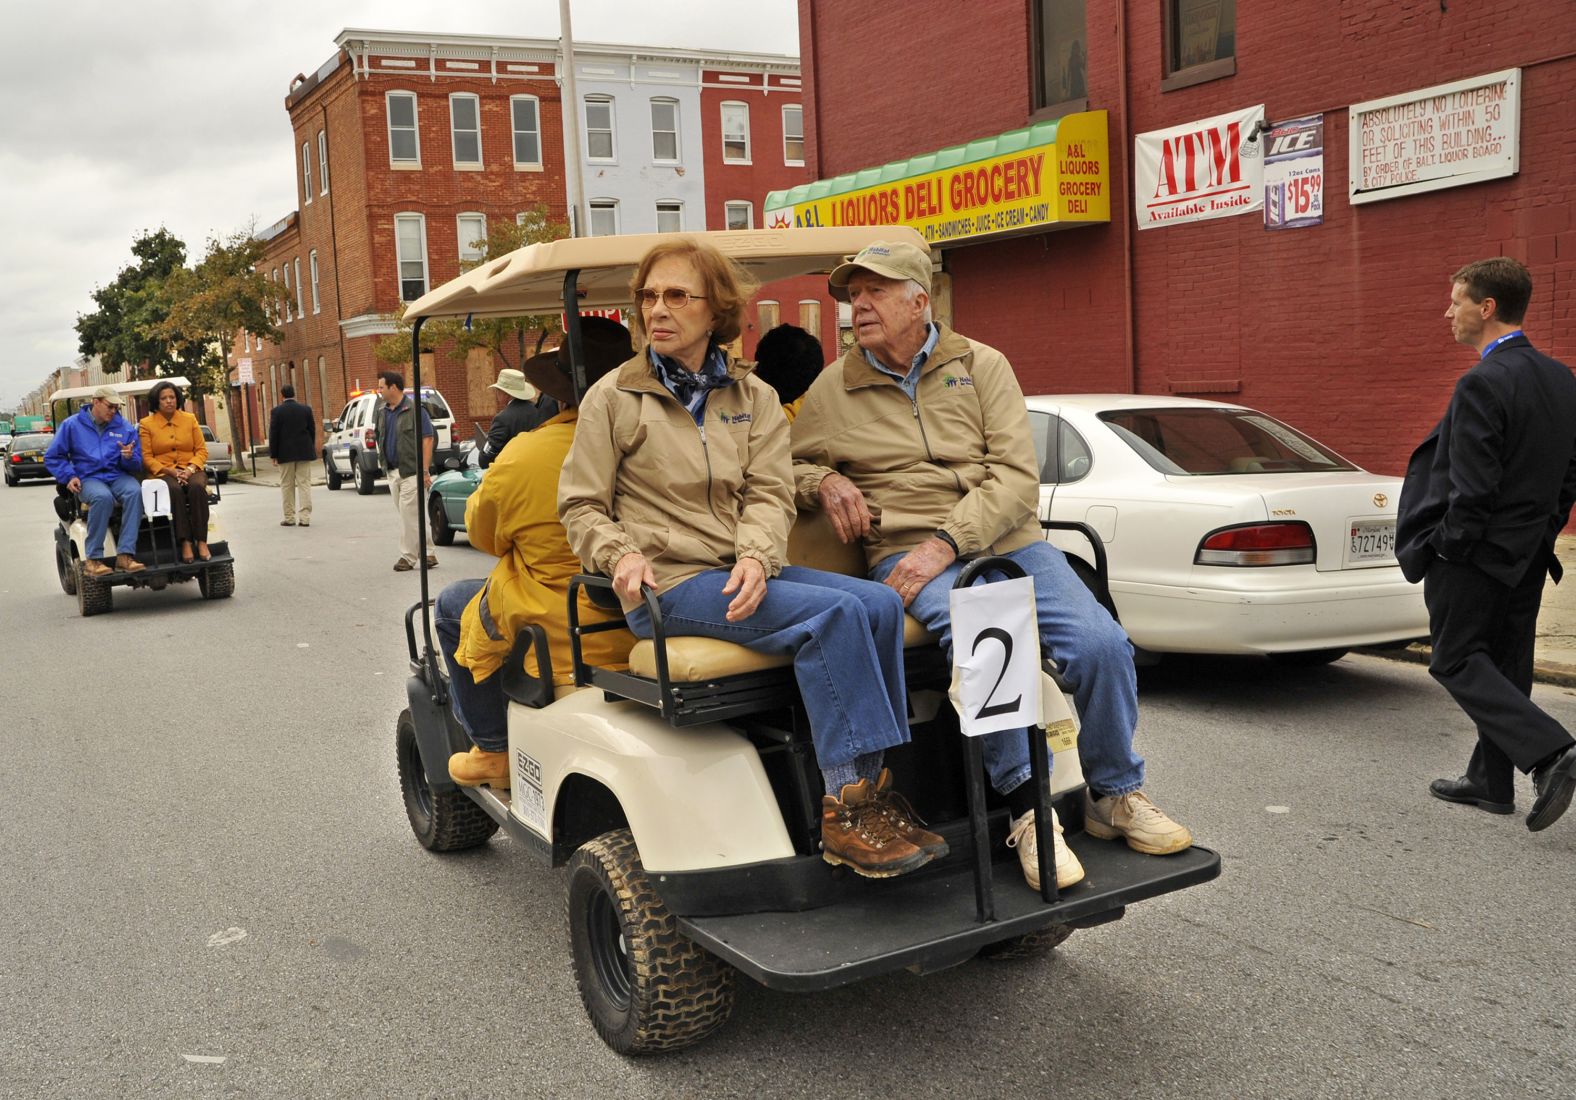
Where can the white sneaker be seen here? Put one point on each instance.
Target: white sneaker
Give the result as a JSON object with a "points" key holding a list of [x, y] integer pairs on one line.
{"points": [[1023, 838], [1134, 818]]}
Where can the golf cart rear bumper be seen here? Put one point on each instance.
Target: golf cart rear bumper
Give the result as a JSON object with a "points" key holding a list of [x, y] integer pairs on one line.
{"points": [[176, 570]]}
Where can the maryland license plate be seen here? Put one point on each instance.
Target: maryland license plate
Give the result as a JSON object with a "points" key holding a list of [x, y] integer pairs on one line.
{"points": [[1371, 540]]}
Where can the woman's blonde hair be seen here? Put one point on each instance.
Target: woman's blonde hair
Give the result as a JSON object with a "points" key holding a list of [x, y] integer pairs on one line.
{"points": [[725, 285]]}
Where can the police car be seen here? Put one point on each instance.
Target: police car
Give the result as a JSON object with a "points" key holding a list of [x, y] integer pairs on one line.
{"points": [[350, 442]]}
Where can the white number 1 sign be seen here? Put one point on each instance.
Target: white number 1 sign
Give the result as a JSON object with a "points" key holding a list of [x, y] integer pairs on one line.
{"points": [[995, 657]]}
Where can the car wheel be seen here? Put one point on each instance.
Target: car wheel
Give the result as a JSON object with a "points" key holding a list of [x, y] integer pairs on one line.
{"points": [[442, 822], [331, 476], [93, 595], [1032, 946], [1308, 658], [222, 476], [9, 480], [67, 570], [217, 582], [442, 533], [645, 986], [366, 480]]}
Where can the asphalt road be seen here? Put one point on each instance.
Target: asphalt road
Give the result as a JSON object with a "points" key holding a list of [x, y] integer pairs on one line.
{"points": [[208, 886]]}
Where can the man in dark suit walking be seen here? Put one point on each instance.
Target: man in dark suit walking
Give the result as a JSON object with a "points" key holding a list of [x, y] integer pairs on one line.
{"points": [[1485, 495], [292, 444]]}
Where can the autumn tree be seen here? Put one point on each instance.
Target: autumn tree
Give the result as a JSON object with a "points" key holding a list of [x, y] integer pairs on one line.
{"points": [[207, 307], [124, 330]]}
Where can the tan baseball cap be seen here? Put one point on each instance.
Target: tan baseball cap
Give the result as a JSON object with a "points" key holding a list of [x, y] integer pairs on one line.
{"points": [[107, 393], [894, 260]]}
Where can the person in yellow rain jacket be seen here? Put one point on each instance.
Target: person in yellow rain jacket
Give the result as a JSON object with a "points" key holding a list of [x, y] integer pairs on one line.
{"points": [[788, 359], [514, 514]]}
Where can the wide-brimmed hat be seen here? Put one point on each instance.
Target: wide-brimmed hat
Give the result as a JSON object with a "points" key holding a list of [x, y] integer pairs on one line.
{"points": [[513, 383], [606, 345], [894, 260], [107, 393]]}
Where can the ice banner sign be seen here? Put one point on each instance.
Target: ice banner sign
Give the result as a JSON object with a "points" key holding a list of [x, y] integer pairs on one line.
{"points": [[995, 657]]}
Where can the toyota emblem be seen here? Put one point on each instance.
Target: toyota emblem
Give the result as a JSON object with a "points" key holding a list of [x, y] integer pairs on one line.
{"points": [[1380, 500]]}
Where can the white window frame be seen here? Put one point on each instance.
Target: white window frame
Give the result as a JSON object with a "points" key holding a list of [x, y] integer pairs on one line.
{"points": [[399, 261], [322, 162], [248, 336], [306, 173], [317, 303], [734, 204], [288, 316], [678, 150], [787, 160], [515, 132], [612, 127], [415, 115], [454, 131], [322, 381], [744, 108], [592, 206], [675, 206], [300, 309], [460, 235]]}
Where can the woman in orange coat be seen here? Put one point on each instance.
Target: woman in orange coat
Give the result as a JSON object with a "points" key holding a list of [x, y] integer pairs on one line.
{"points": [[173, 449]]}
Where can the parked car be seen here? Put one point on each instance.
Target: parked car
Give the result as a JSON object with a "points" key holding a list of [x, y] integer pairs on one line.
{"points": [[449, 492], [220, 460], [1226, 530], [350, 442], [24, 457]]}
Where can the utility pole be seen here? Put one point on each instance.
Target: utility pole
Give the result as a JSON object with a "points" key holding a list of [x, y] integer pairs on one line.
{"points": [[570, 110]]}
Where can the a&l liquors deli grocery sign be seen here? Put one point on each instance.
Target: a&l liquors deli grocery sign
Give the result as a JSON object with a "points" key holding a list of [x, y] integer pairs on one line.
{"points": [[1045, 176]]}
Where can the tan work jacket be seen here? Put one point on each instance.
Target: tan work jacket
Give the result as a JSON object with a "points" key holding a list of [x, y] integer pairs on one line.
{"points": [[958, 458], [643, 478]]}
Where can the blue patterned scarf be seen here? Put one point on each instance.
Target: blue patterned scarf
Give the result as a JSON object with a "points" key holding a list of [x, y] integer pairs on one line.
{"points": [[691, 388]]}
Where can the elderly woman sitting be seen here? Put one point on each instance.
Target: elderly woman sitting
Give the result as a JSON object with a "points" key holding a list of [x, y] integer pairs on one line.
{"points": [[173, 449], [679, 479]]}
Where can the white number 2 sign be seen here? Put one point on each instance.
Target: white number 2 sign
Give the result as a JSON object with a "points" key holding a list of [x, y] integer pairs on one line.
{"points": [[995, 657]]}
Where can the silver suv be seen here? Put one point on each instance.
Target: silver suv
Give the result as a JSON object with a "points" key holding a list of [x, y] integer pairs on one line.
{"points": [[350, 442]]}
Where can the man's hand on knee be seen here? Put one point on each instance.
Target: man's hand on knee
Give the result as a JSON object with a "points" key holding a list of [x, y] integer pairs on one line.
{"points": [[845, 506], [919, 567]]}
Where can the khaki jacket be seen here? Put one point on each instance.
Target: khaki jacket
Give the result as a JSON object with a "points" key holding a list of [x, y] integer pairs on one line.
{"points": [[514, 514], [959, 458], [177, 441], [642, 478]]}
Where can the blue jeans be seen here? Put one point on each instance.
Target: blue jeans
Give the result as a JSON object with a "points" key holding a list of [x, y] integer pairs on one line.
{"points": [[101, 497], [1092, 651], [846, 639], [481, 708]]}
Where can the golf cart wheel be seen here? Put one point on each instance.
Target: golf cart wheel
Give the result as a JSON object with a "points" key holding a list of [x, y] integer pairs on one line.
{"points": [[67, 570], [442, 533], [442, 822], [331, 476], [1033, 946], [1308, 658], [366, 480], [217, 582], [93, 595], [645, 986]]}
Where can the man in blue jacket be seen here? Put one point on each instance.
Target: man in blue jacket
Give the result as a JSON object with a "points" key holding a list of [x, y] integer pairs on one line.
{"points": [[98, 454]]}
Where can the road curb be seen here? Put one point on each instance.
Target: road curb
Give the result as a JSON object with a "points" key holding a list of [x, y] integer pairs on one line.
{"points": [[1419, 653]]}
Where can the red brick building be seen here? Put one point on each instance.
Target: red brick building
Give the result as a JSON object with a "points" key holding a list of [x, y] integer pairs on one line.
{"points": [[1336, 327]]}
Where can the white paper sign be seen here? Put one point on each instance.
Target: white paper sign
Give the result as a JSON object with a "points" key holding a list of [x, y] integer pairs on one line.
{"points": [[995, 657], [1212, 168], [243, 368]]}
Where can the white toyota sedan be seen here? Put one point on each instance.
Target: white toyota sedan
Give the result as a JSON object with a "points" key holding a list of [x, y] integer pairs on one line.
{"points": [[1225, 530]]}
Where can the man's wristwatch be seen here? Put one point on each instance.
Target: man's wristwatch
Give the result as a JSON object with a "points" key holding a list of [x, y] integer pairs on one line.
{"points": [[948, 539]]}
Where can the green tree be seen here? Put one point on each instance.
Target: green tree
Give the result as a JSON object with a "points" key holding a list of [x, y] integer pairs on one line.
{"points": [[511, 340], [206, 308], [123, 330]]}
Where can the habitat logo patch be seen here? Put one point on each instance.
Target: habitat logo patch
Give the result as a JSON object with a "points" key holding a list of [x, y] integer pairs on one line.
{"points": [[735, 418], [953, 381]]}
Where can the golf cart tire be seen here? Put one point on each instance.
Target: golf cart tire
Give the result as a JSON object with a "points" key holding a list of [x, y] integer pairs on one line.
{"points": [[331, 476], [366, 480], [93, 595], [443, 821], [67, 568], [217, 582], [1033, 946], [442, 533], [659, 991]]}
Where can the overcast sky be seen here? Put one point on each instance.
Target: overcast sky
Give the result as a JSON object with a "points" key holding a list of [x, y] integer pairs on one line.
{"points": [[127, 116]]}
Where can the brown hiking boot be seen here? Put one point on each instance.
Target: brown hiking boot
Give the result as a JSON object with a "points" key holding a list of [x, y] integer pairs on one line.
{"points": [[478, 768], [128, 564], [857, 833], [905, 820]]}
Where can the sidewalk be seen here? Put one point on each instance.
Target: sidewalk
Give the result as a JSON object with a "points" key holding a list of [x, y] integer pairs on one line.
{"points": [[1554, 656]]}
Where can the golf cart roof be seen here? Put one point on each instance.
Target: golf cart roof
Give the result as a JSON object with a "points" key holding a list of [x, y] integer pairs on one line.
{"points": [[125, 389], [530, 280]]}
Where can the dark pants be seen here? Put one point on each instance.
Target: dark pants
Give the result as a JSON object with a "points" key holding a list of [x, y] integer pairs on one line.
{"points": [[1483, 633], [189, 505]]}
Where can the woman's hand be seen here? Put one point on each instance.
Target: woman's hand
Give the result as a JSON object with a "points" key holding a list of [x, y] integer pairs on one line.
{"points": [[748, 579], [629, 574]]}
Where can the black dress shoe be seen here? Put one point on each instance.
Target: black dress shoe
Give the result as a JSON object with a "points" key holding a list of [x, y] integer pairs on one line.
{"points": [[1554, 782], [1462, 790]]}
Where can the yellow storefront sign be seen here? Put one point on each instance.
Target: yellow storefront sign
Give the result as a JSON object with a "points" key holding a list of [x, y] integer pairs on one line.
{"points": [[1016, 183]]}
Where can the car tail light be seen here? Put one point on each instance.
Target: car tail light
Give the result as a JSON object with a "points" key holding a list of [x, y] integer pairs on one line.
{"points": [[370, 440], [1257, 544]]}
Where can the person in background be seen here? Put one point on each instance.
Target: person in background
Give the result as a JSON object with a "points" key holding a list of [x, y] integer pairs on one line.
{"points": [[96, 454], [173, 450], [527, 409], [787, 359], [292, 445], [409, 471]]}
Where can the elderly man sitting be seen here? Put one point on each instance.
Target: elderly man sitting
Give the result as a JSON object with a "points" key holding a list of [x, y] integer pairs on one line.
{"points": [[97, 454], [917, 443]]}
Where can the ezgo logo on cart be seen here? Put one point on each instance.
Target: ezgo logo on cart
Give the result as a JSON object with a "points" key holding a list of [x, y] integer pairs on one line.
{"points": [[528, 802]]}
